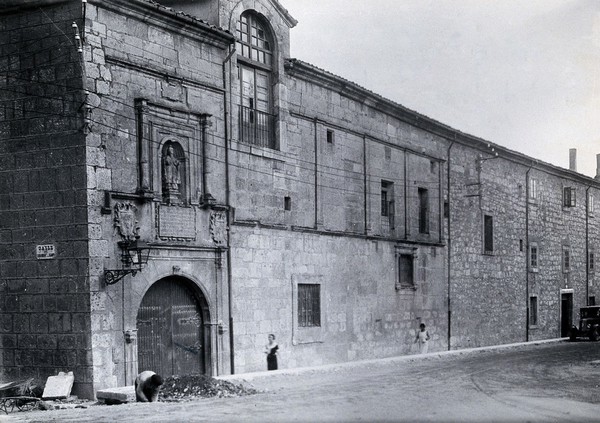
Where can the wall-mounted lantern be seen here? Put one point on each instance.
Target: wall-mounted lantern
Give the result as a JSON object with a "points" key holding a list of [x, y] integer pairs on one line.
{"points": [[134, 256]]}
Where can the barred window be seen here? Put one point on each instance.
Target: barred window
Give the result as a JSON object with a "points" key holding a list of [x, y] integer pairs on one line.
{"points": [[569, 197], [533, 257], [533, 188], [309, 305]]}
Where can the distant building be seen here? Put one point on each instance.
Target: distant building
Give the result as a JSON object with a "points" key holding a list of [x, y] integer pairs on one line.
{"points": [[267, 196]]}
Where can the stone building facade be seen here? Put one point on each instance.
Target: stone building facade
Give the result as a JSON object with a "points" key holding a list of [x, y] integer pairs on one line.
{"points": [[263, 194]]}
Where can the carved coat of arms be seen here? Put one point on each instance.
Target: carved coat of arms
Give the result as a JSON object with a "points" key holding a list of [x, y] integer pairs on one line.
{"points": [[125, 221], [218, 227]]}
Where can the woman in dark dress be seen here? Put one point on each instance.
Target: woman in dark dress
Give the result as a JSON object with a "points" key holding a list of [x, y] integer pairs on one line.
{"points": [[271, 351]]}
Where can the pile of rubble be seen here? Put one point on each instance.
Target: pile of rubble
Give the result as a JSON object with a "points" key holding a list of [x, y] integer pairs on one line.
{"points": [[179, 388]]}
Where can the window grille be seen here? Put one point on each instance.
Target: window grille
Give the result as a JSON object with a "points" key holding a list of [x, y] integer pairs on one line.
{"points": [[533, 257], [309, 305], [569, 197]]}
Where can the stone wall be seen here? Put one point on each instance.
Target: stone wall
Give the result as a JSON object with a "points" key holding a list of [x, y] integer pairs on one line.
{"points": [[44, 303], [363, 315], [153, 77]]}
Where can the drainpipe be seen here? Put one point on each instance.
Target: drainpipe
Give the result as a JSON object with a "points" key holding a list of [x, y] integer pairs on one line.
{"points": [[316, 125], [227, 203], [527, 311], [365, 200], [449, 245], [587, 246]]}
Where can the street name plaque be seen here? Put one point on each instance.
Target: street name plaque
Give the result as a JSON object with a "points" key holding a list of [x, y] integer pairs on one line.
{"points": [[45, 252]]}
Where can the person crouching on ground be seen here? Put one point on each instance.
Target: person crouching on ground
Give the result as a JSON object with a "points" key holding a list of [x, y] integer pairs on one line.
{"points": [[422, 339], [147, 386], [271, 351]]}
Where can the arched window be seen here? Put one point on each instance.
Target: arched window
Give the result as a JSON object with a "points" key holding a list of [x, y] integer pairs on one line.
{"points": [[255, 58]]}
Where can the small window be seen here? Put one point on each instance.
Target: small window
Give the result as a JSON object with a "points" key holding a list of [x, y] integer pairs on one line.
{"points": [[287, 203], [387, 191], [591, 262], [432, 166], [388, 152], [330, 136], [533, 257], [566, 260], [423, 211], [533, 189], [406, 271], [592, 300], [569, 197], [309, 305], [533, 311], [591, 204], [488, 234]]}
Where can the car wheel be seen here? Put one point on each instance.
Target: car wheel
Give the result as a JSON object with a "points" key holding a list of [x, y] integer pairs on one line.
{"points": [[594, 336], [573, 335]]}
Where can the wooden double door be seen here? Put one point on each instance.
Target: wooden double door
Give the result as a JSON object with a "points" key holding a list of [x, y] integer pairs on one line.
{"points": [[170, 325]]}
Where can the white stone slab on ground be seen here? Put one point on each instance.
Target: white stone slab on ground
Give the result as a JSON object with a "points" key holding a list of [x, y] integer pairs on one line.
{"points": [[118, 395], [59, 387]]}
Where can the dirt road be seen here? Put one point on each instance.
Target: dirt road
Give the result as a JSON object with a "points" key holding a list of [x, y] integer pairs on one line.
{"points": [[549, 382]]}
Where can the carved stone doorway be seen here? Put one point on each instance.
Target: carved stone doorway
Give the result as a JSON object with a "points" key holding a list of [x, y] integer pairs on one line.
{"points": [[170, 329]]}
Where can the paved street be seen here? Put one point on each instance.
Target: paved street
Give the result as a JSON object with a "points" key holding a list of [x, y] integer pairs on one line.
{"points": [[546, 382]]}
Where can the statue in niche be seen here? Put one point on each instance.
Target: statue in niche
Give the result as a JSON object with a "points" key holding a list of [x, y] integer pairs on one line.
{"points": [[171, 176]]}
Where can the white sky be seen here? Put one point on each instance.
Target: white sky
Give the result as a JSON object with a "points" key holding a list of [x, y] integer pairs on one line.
{"points": [[522, 73]]}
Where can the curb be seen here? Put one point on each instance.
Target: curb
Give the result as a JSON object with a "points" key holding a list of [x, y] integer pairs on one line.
{"points": [[247, 377]]}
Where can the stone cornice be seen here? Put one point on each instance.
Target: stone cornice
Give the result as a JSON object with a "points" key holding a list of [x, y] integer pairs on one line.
{"points": [[10, 6], [177, 22], [289, 19], [305, 71]]}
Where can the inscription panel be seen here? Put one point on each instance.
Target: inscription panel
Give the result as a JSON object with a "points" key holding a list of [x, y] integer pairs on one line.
{"points": [[176, 223]]}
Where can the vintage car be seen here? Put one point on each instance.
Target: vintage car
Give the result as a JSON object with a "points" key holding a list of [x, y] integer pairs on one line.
{"points": [[589, 324]]}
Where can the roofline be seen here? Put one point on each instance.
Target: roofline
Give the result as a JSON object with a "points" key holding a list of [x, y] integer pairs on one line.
{"points": [[284, 12], [183, 22], [311, 73]]}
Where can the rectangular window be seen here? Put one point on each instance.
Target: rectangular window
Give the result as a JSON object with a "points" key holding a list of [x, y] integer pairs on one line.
{"points": [[566, 259], [488, 234], [387, 204], [592, 300], [309, 305], [406, 274], [330, 136], [533, 188], [287, 203], [533, 311], [569, 197], [591, 262], [385, 194], [423, 211], [591, 204], [533, 257]]}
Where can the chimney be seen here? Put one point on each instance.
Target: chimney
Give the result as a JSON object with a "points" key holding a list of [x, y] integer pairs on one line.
{"points": [[598, 167], [573, 159]]}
